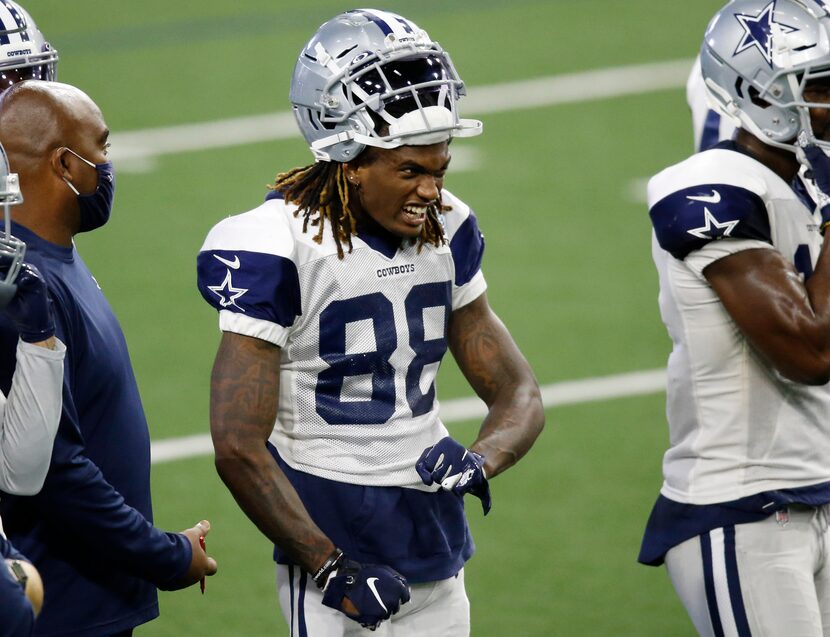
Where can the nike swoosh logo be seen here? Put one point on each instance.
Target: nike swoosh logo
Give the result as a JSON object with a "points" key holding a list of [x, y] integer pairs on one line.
{"points": [[233, 265], [713, 198], [370, 582]]}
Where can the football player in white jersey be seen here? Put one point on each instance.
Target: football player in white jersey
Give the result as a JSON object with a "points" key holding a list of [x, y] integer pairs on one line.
{"points": [[30, 414], [29, 417], [338, 298], [741, 521]]}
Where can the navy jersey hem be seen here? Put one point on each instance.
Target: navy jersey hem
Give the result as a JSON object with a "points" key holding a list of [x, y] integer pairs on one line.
{"points": [[672, 523], [422, 535]]}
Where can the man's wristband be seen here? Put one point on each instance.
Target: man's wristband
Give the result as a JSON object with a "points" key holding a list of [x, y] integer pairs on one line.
{"points": [[332, 562]]}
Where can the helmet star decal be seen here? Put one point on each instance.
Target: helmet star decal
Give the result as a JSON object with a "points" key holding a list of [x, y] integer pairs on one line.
{"points": [[759, 31]]}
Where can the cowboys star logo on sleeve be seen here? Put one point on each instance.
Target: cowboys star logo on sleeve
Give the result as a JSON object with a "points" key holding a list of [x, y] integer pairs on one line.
{"points": [[711, 228], [759, 31], [226, 292]]}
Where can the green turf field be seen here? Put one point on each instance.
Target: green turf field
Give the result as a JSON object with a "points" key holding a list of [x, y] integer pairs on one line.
{"points": [[568, 264]]}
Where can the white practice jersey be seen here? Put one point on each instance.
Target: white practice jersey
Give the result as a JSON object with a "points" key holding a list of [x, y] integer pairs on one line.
{"points": [[362, 337], [737, 427], [29, 418]]}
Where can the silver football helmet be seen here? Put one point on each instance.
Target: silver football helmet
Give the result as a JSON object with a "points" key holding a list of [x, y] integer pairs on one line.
{"points": [[24, 52], [374, 78], [12, 249], [757, 56]]}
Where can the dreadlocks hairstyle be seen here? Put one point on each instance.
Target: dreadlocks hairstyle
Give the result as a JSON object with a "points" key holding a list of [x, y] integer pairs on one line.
{"points": [[321, 193]]}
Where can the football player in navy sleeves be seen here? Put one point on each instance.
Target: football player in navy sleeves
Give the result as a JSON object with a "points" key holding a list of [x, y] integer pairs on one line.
{"points": [[741, 521], [338, 297], [30, 413], [89, 531], [30, 416]]}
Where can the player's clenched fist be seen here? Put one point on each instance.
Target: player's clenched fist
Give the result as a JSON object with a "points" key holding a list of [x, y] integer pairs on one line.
{"points": [[456, 469], [374, 591], [31, 309]]}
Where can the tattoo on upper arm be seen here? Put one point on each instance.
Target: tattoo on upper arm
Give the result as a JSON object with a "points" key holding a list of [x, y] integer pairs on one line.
{"points": [[245, 384], [478, 345]]}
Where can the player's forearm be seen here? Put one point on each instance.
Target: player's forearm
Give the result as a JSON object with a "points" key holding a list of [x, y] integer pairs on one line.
{"points": [[786, 322], [272, 504], [243, 407], [512, 425], [502, 378]]}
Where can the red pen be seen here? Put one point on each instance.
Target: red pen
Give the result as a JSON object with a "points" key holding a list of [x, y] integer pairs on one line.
{"points": [[202, 581]]}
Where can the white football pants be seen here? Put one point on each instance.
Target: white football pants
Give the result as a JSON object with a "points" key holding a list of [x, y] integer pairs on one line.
{"points": [[764, 579], [436, 609]]}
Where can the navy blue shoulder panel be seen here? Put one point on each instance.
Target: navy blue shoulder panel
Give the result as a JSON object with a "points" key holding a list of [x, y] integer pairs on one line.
{"points": [[262, 286], [467, 247], [688, 219]]}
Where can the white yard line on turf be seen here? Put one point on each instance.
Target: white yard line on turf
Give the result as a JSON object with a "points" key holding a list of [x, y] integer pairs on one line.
{"points": [[461, 409], [138, 148]]}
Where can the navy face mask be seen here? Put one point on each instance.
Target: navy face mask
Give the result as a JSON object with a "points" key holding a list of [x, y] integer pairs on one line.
{"points": [[96, 207]]}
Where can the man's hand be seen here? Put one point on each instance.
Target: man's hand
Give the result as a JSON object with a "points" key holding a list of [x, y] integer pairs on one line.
{"points": [[200, 564], [366, 593], [456, 469], [31, 308], [820, 174]]}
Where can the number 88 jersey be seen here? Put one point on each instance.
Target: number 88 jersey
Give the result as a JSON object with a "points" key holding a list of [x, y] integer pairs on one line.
{"points": [[362, 337]]}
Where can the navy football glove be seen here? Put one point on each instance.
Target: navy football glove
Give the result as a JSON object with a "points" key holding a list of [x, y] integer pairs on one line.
{"points": [[376, 591], [456, 469], [820, 173], [31, 308]]}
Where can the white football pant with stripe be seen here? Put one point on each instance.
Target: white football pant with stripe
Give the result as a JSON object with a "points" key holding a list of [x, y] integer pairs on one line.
{"points": [[436, 609], [764, 579]]}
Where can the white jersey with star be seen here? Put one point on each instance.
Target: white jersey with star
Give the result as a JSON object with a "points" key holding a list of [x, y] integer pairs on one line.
{"points": [[361, 337], [737, 427]]}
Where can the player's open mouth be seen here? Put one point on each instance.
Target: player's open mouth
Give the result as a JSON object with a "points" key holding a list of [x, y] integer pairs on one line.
{"points": [[414, 214]]}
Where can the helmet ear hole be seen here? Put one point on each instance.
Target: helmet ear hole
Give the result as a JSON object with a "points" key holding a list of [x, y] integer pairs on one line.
{"points": [[756, 98]]}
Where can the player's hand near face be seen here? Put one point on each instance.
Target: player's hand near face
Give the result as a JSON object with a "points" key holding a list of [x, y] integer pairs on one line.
{"points": [[456, 468], [201, 565], [819, 172], [31, 308]]}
